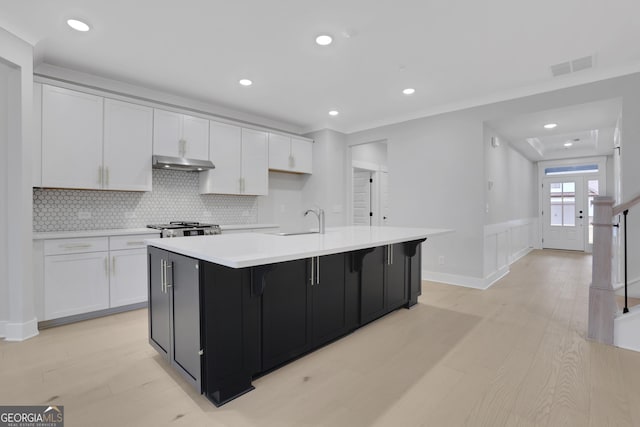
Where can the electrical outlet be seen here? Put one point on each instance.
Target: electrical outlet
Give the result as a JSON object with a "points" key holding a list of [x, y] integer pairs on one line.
{"points": [[84, 215], [441, 260]]}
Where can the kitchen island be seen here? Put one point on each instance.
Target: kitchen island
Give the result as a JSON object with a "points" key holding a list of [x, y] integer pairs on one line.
{"points": [[226, 309]]}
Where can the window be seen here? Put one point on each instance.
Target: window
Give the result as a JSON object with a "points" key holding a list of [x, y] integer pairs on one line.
{"points": [[564, 170], [563, 204]]}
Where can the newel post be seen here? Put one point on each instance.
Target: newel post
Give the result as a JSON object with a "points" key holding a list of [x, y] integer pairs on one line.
{"points": [[602, 304]]}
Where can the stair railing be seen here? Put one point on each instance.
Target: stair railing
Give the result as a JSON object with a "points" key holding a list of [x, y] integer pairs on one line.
{"points": [[602, 305]]}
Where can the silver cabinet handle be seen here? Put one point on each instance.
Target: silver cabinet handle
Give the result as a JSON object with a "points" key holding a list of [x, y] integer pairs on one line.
{"points": [[291, 161], [106, 266], [318, 271], [168, 275], [106, 176], [163, 273], [100, 175], [76, 245], [312, 271], [391, 254], [113, 264]]}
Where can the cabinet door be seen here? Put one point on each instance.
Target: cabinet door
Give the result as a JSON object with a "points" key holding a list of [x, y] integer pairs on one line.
{"points": [[128, 283], [225, 150], [279, 152], [255, 163], [36, 174], [372, 285], [286, 329], [328, 300], [167, 133], [71, 139], [128, 146], [185, 285], [302, 155], [159, 309], [75, 284], [396, 279], [195, 134]]}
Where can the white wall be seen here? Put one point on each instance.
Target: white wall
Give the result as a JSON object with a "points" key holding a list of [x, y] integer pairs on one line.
{"points": [[373, 153], [4, 180], [326, 187], [511, 205], [20, 321], [437, 172], [283, 205]]}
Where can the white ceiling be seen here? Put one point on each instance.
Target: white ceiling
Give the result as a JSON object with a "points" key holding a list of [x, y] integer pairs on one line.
{"points": [[453, 52], [589, 127]]}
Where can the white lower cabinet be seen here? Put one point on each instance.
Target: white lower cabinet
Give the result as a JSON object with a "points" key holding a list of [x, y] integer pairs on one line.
{"points": [[83, 275], [128, 284]]}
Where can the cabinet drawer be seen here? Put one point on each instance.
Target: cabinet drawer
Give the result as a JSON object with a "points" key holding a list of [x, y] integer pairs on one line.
{"points": [[134, 241], [73, 246]]}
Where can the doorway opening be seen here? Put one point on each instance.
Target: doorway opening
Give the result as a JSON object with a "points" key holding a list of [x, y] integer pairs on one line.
{"points": [[369, 201]]}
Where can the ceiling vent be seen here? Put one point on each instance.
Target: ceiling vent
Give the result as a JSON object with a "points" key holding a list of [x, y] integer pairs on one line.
{"points": [[572, 66]]}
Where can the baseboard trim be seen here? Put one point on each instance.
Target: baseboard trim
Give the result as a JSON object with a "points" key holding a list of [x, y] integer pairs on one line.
{"points": [[3, 329], [91, 315], [521, 253], [20, 331]]}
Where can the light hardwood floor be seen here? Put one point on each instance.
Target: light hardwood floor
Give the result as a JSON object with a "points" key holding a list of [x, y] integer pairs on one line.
{"points": [[512, 355]]}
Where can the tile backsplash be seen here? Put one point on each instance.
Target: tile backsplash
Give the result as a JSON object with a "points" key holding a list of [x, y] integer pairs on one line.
{"points": [[174, 197]]}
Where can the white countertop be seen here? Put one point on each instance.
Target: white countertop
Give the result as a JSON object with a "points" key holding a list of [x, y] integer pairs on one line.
{"points": [[251, 249], [92, 233], [126, 231]]}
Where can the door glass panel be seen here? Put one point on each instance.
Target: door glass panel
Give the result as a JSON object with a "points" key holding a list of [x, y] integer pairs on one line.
{"points": [[592, 191], [563, 204]]}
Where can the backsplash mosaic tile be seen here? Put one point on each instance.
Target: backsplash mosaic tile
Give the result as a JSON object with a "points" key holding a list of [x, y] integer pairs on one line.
{"points": [[174, 197]]}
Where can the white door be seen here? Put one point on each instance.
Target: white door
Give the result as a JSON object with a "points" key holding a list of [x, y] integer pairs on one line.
{"points": [[255, 163], [128, 277], [225, 150], [384, 197], [71, 139], [361, 197], [128, 146], [195, 134], [564, 214]]}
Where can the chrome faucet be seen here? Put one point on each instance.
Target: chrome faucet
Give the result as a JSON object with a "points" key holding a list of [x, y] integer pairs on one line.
{"points": [[320, 214]]}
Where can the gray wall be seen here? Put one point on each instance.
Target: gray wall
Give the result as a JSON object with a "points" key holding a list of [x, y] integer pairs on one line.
{"points": [[4, 180]]}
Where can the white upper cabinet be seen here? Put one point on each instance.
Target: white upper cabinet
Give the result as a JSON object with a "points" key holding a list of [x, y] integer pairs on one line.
{"points": [[290, 154], [225, 150], [36, 169], [90, 142], [71, 139], [255, 162], [240, 157], [302, 155], [127, 146], [180, 135]]}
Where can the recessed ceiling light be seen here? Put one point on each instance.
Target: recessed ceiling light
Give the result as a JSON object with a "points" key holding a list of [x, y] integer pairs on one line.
{"points": [[324, 40], [78, 25], [568, 144], [550, 125], [245, 82], [409, 91], [333, 113]]}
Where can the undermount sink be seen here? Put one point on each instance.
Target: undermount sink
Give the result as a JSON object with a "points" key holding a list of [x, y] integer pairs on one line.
{"points": [[293, 233]]}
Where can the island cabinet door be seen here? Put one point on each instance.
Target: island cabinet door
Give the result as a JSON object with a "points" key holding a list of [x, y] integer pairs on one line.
{"points": [[397, 289], [286, 301], [329, 299], [372, 285], [183, 281], [159, 304]]}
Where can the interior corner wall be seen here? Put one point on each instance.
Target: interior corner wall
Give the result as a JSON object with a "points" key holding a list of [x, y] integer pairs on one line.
{"points": [[326, 187], [17, 56]]}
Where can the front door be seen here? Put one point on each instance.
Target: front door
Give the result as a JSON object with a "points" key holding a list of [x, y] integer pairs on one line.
{"points": [[564, 214]]}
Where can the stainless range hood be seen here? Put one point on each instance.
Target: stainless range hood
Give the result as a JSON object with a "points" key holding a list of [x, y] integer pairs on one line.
{"points": [[180, 163]]}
